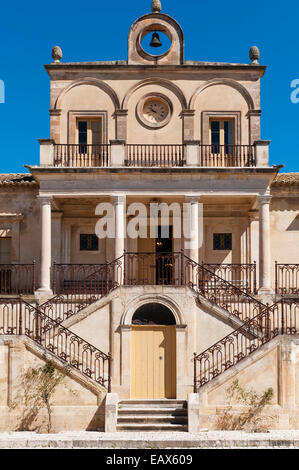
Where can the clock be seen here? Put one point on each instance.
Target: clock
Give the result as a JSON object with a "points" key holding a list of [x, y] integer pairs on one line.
{"points": [[154, 111]]}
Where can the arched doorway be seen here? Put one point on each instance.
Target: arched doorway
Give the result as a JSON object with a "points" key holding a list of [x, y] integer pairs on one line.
{"points": [[153, 352]]}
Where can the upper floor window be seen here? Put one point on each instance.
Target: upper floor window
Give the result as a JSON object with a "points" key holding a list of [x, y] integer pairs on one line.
{"points": [[222, 136], [5, 250], [89, 132]]}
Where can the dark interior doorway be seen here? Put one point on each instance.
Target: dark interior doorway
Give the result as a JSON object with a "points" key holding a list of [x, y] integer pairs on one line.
{"points": [[164, 257]]}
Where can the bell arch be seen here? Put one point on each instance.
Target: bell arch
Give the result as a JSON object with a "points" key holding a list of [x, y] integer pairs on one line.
{"points": [[156, 22]]}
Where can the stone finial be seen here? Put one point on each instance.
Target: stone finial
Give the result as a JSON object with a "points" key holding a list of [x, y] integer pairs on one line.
{"points": [[57, 54], [254, 54], [156, 6]]}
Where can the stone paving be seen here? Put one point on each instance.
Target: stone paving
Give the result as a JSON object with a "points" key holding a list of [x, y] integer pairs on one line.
{"points": [[150, 440]]}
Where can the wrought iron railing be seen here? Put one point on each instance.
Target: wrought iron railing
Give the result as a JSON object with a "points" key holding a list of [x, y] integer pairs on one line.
{"points": [[81, 155], [17, 279], [93, 279], [142, 155], [286, 278], [63, 306], [233, 299], [227, 155], [240, 275], [18, 317], [278, 319], [153, 269]]}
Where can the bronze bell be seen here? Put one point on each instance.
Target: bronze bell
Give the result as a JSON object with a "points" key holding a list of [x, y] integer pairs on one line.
{"points": [[155, 42]]}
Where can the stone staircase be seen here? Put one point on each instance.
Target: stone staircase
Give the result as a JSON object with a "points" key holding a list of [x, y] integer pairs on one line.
{"points": [[152, 415]]}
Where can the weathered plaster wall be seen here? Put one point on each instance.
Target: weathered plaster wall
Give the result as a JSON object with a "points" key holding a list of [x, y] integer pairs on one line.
{"points": [[274, 365], [77, 404]]}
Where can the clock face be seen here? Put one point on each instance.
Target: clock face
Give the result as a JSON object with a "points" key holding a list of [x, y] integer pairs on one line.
{"points": [[155, 111]]}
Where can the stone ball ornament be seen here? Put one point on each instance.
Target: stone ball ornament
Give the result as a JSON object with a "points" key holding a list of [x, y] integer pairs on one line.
{"points": [[156, 6], [254, 54], [56, 54]]}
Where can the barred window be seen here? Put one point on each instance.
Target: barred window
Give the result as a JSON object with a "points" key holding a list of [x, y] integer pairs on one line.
{"points": [[89, 242], [222, 241]]}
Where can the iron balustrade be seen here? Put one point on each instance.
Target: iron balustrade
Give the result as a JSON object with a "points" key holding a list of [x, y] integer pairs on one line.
{"points": [[93, 279], [286, 278], [18, 317], [153, 269], [227, 155], [81, 155], [224, 294], [17, 279], [240, 275], [162, 156], [278, 319]]}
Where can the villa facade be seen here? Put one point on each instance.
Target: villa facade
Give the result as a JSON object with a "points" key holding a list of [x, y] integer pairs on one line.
{"points": [[152, 320]]}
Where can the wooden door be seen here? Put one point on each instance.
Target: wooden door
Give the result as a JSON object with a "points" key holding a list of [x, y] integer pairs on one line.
{"points": [[153, 362], [146, 261]]}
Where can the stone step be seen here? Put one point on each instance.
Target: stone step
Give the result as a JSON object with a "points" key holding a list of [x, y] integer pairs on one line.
{"points": [[149, 418], [153, 411], [152, 427], [154, 403]]}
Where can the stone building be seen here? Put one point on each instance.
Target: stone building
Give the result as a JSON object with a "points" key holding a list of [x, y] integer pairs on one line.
{"points": [[152, 323]]}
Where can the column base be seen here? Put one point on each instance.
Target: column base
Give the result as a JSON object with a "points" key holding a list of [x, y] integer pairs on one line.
{"points": [[42, 294], [265, 291]]}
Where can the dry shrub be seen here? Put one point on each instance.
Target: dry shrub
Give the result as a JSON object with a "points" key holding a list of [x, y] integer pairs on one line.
{"points": [[251, 419]]}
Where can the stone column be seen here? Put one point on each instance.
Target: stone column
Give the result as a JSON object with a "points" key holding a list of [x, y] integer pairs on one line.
{"points": [[45, 267], [191, 247], [119, 202], [254, 240], [264, 245]]}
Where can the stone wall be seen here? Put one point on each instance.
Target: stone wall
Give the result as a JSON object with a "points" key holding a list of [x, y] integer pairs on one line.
{"points": [[77, 403], [274, 365]]}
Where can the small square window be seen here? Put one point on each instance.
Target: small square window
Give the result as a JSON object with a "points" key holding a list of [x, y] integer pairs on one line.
{"points": [[222, 241], [89, 242]]}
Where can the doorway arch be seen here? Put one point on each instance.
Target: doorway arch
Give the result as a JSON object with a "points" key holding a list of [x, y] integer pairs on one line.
{"points": [[153, 314]]}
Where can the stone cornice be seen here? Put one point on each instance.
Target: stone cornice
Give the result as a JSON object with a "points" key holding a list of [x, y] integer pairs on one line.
{"points": [[188, 66]]}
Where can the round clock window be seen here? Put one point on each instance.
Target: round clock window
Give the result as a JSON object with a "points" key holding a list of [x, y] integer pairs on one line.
{"points": [[154, 111]]}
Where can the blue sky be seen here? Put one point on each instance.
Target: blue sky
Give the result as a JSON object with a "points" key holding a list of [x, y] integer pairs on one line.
{"points": [[97, 30]]}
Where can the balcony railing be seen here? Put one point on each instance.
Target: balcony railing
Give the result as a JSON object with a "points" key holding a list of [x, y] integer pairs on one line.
{"points": [[162, 156], [240, 275], [159, 156], [17, 279], [82, 156], [227, 155], [287, 278]]}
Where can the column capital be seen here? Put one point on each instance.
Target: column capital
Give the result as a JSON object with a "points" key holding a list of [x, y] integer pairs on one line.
{"points": [[192, 199], [188, 112], [118, 199], [45, 200], [264, 199], [253, 215], [121, 112]]}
